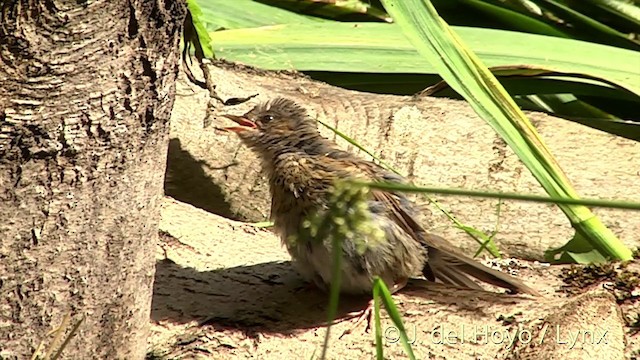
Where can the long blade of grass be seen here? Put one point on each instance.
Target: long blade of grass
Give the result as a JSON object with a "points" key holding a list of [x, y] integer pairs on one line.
{"points": [[237, 14], [347, 221], [521, 81], [377, 325], [528, 71], [624, 12], [394, 314], [341, 10], [334, 294], [613, 204], [583, 24], [515, 20], [494, 232], [382, 48], [433, 38]]}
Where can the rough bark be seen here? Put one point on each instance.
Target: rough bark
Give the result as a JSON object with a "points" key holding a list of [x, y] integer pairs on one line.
{"points": [[86, 94], [434, 141]]}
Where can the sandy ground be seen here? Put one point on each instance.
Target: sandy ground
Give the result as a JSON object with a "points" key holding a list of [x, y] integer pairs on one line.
{"points": [[226, 290]]}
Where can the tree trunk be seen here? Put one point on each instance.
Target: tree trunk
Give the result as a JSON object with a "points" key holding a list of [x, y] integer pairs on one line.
{"points": [[86, 91]]}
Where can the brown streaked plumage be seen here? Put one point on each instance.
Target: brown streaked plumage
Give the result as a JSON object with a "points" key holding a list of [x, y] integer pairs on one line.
{"points": [[302, 166]]}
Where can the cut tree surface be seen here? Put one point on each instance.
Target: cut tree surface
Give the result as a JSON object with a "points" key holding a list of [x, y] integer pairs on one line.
{"points": [[226, 290], [433, 141]]}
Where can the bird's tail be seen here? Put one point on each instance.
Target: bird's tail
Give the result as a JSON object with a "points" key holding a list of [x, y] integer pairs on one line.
{"points": [[457, 269]]}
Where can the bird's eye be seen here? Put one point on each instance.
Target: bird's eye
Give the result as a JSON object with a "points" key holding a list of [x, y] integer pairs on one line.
{"points": [[266, 118]]}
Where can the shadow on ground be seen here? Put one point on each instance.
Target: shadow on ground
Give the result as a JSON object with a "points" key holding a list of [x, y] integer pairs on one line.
{"points": [[273, 298], [267, 296], [186, 181]]}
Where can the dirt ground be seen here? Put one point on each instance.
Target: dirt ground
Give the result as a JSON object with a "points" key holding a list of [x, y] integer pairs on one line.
{"points": [[225, 289]]}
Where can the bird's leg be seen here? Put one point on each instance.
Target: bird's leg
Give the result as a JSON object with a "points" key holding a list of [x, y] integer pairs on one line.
{"points": [[367, 312], [314, 284], [360, 316]]}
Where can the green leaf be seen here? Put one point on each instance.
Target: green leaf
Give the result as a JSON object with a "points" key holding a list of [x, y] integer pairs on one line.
{"points": [[376, 319], [624, 14], [487, 241], [587, 27], [516, 83], [465, 73], [570, 82], [623, 128], [542, 65], [236, 14], [196, 32], [627, 9], [262, 224], [334, 293], [344, 10], [613, 204], [381, 48], [577, 250], [394, 314], [573, 108], [514, 19]]}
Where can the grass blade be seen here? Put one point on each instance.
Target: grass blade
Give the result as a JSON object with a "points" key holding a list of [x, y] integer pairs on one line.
{"points": [[392, 310], [613, 204], [376, 318], [341, 10], [587, 27], [382, 48], [465, 73]]}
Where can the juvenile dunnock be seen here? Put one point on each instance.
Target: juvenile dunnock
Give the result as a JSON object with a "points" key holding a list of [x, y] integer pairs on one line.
{"points": [[302, 167]]}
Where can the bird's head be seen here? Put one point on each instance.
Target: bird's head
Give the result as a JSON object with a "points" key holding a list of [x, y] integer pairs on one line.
{"points": [[273, 125]]}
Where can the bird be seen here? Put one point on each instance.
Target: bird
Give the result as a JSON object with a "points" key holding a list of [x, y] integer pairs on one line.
{"points": [[303, 168]]}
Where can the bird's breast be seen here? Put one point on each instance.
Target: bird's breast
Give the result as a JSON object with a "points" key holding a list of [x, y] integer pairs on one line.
{"points": [[291, 204]]}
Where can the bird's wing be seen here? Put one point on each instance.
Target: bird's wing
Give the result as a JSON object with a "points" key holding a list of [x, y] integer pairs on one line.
{"points": [[445, 263], [398, 207], [343, 165]]}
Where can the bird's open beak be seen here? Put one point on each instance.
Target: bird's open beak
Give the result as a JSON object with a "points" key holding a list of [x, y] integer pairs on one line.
{"points": [[245, 124]]}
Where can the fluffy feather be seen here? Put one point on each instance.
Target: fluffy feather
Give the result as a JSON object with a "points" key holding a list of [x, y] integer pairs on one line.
{"points": [[302, 167]]}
